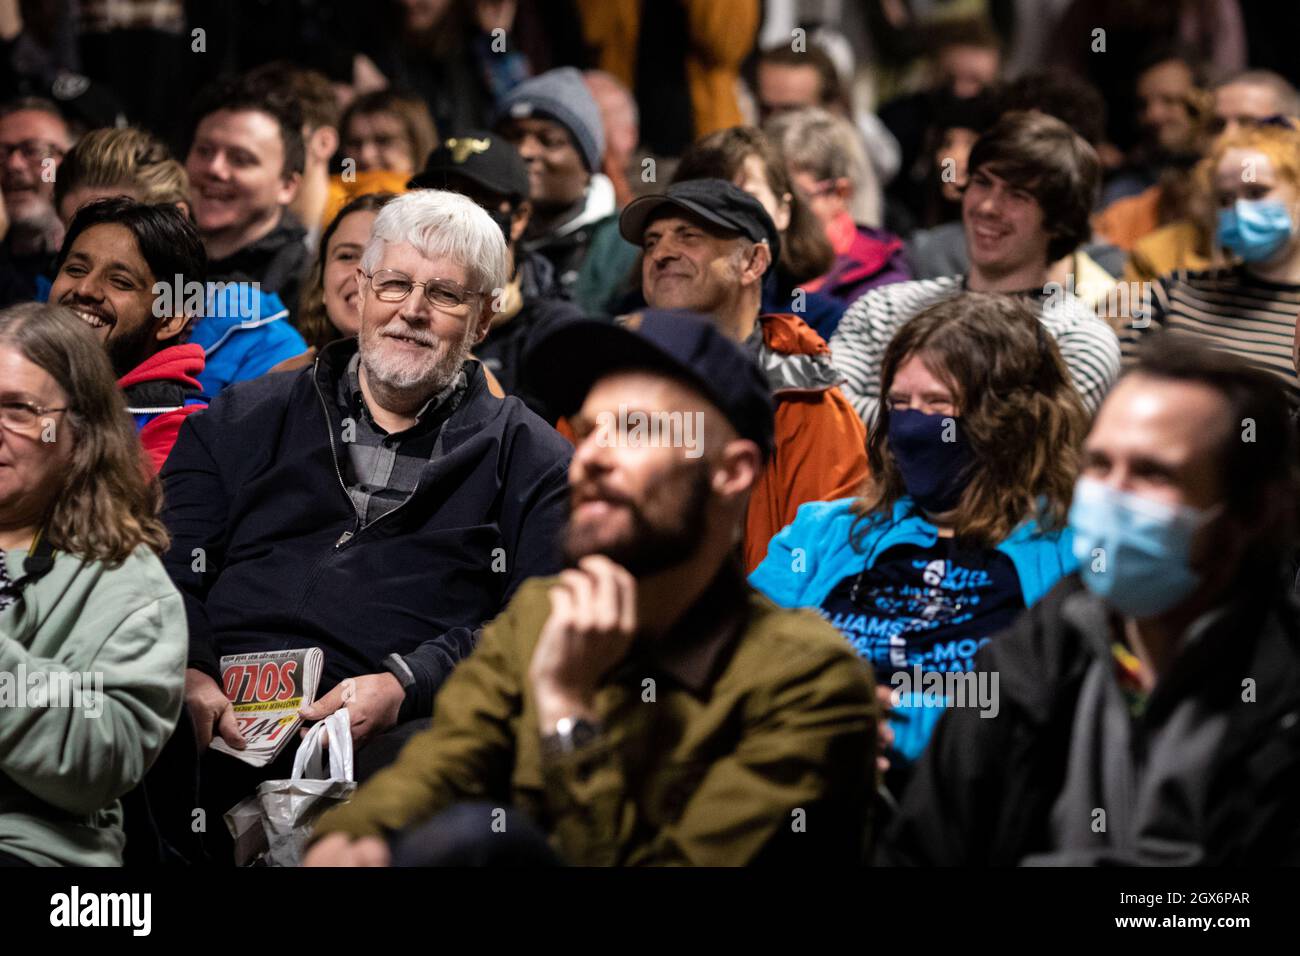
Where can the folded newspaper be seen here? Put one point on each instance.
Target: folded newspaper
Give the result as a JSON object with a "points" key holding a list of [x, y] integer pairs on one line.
{"points": [[267, 691]]}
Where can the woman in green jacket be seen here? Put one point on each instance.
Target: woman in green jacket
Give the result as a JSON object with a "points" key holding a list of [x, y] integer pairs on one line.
{"points": [[92, 632]]}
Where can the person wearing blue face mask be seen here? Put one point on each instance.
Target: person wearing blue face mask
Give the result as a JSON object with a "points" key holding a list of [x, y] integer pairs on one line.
{"points": [[1160, 684], [1247, 307], [961, 527]]}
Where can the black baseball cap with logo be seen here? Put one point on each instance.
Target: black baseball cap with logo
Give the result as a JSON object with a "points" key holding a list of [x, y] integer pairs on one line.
{"points": [[482, 158], [718, 203]]}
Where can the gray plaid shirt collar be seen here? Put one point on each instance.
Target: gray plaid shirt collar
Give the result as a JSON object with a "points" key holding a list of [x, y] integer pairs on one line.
{"points": [[353, 398]]}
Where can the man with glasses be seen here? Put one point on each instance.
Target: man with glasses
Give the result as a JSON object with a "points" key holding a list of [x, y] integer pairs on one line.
{"points": [[33, 140], [381, 505]]}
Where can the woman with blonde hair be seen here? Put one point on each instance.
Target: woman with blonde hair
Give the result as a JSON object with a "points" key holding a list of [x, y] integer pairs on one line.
{"points": [[973, 456], [1247, 307], [119, 162], [87, 612], [828, 165]]}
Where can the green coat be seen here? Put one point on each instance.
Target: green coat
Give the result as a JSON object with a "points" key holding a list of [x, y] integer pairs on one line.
{"points": [[756, 732], [62, 768]]}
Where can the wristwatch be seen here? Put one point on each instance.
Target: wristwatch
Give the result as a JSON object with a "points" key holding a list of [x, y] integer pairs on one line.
{"points": [[571, 734]]}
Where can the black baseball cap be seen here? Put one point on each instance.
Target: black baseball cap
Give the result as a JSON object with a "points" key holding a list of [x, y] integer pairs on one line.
{"points": [[716, 201], [562, 366], [483, 158]]}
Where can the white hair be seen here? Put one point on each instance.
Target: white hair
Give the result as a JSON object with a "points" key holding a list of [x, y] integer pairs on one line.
{"points": [[442, 224], [826, 146]]}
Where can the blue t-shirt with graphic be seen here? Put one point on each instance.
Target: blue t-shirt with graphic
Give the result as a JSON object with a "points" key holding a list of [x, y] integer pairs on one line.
{"points": [[931, 607]]}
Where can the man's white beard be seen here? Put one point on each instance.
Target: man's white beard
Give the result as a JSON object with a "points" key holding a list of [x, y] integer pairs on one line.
{"points": [[408, 376]]}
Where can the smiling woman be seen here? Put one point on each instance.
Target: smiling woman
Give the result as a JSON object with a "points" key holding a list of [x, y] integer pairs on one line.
{"points": [[82, 594], [330, 309]]}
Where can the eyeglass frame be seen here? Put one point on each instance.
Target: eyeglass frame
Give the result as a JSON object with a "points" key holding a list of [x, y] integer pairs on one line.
{"points": [[51, 150], [370, 277], [36, 411], [1216, 126]]}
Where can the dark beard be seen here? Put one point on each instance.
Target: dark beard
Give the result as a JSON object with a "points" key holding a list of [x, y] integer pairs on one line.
{"points": [[127, 350], [651, 548]]}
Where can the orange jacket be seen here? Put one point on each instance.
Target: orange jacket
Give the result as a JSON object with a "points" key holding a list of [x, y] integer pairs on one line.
{"points": [[372, 181], [720, 34], [821, 447], [1127, 220]]}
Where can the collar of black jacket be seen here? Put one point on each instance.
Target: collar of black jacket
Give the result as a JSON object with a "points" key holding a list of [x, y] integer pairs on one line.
{"points": [[286, 231], [699, 645]]}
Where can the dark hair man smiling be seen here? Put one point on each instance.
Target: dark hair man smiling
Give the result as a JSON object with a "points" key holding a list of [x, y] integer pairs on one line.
{"points": [[245, 166], [117, 251]]}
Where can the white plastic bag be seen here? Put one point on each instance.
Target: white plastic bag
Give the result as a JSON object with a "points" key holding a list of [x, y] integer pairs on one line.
{"points": [[276, 823]]}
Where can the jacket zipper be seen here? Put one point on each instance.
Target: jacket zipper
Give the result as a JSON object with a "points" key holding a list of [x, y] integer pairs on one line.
{"points": [[346, 536]]}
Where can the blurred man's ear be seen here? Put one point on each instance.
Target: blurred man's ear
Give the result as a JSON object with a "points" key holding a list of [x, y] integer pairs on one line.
{"points": [[737, 469], [323, 143], [488, 308], [289, 188], [759, 259], [171, 327]]}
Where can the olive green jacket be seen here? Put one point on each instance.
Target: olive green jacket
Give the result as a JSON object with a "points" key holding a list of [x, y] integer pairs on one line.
{"points": [[748, 736]]}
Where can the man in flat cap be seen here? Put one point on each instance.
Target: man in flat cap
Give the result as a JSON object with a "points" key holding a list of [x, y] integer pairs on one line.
{"points": [[706, 246]]}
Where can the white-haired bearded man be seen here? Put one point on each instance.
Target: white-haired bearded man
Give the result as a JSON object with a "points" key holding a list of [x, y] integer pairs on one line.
{"points": [[381, 504]]}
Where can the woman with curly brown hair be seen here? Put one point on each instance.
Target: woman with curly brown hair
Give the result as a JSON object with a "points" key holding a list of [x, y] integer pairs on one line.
{"points": [[962, 525], [93, 636]]}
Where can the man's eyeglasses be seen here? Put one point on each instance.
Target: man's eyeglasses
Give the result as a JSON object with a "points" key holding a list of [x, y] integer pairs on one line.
{"points": [[23, 417], [391, 286], [1218, 124], [32, 150]]}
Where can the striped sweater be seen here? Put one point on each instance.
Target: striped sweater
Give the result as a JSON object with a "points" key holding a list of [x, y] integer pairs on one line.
{"points": [[1227, 309], [1088, 345]]}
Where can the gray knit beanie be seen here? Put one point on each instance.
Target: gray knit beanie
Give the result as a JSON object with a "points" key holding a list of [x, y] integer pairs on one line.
{"points": [[561, 95]]}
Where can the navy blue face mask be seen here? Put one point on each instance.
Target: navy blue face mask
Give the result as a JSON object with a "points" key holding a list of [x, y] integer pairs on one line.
{"points": [[932, 455]]}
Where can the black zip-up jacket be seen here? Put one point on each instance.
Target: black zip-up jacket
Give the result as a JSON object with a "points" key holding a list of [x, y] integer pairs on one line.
{"points": [[276, 262], [267, 552], [984, 788]]}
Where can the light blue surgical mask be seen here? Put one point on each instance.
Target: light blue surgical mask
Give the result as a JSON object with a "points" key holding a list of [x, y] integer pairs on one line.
{"points": [[1133, 552], [1254, 229]]}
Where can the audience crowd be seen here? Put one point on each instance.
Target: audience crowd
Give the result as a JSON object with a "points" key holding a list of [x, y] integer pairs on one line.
{"points": [[695, 432]]}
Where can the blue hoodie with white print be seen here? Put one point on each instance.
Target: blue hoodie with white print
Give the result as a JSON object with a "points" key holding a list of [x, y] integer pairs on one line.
{"points": [[905, 598]]}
